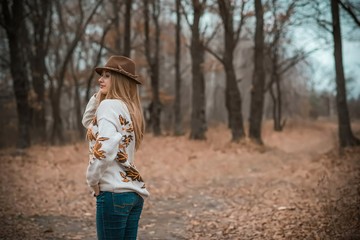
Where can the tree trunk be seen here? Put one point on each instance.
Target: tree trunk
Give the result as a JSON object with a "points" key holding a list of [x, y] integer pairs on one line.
{"points": [[77, 100], [198, 117], [156, 114], [57, 136], [156, 104], [273, 98], [79, 125], [233, 100], [127, 29], [277, 105], [41, 22], [275, 79], [153, 61], [232, 93], [116, 7], [346, 136], [257, 91], [177, 105], [39, 121], [278, 116], [14, 26]]}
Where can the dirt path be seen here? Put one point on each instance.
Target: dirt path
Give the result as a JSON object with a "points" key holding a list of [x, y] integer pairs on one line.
{"points": [[233, 177], [199, 190]]}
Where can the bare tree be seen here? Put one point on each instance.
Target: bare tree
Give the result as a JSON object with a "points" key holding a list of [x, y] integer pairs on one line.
{"points": [[346, 136], [278, 31], [41, 20], [116, 9], [197, 52], [127, 29], [152, 50], [12, 20], [177, 105], [122, 26], [56, 88], [257, 91], [231, 38]]}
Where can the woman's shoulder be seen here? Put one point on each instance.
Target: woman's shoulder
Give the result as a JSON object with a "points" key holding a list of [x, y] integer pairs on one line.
{"points": [[116, 105]]}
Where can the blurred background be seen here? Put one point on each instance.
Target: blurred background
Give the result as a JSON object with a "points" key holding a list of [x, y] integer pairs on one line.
{"points": [[196, 58], [271, 89]]}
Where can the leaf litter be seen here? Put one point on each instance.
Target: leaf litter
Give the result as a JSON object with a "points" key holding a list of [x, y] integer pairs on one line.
{"points": [[297, 186]]}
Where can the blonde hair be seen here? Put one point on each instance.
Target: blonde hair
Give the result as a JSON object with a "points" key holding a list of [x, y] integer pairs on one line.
{"points": [[126, 90]]}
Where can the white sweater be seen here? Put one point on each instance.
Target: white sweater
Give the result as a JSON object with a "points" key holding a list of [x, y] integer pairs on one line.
{"points": [[111, 148]]}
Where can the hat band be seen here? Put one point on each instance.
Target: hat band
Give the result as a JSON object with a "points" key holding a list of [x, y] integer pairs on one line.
{"points": [[122, 71]]}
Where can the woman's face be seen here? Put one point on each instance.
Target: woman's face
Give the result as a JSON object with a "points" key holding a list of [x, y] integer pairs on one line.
{"points": [[104, 82]]}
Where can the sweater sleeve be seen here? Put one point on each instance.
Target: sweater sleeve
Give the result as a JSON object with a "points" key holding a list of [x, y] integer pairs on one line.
{"points": [[107, 142], [89, 112]]}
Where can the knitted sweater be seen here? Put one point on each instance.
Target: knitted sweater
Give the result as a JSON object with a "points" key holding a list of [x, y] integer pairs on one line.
{"points": [[111, 148]]}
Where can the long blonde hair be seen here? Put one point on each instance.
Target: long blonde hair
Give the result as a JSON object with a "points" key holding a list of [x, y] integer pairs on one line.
{"points": [[126, 90]]}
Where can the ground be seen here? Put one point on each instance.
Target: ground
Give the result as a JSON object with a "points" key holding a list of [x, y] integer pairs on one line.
{"points": [[297, 186]]}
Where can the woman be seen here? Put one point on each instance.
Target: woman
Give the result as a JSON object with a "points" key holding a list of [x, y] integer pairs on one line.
{"points": [[115, 130]]}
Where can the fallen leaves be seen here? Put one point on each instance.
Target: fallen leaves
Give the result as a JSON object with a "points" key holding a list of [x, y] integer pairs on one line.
{"points": [[290, 189]]}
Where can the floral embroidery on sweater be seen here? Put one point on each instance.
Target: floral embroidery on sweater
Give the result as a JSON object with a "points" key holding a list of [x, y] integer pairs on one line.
{"points": [[126, 140], [90, 135], [123, 121], [132, 173], [123, 175], [130, 129], [99, 154], [122, 156]]}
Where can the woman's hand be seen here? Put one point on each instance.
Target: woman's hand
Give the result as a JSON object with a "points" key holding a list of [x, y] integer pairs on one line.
{"points": [[96, 190]]}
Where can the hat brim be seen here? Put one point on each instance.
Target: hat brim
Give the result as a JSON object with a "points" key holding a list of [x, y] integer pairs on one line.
{"points": [[99, 71]]}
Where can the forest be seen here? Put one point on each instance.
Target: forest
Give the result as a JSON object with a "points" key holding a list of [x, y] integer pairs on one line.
{"points": [[252, 111]]}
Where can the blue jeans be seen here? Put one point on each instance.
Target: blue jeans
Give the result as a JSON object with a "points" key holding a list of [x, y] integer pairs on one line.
{"points": [[117, 215]]}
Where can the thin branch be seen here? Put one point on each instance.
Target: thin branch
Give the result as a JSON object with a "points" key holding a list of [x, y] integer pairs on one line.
{"points": [[186, 16], [81, 11], [202, 34], [241, 24], [147, 31], [295, 60], [59, 12], [213, 34], [217, 56], [291, 63], [98, 42], [349, 10], [97, 61], [324, 24]]}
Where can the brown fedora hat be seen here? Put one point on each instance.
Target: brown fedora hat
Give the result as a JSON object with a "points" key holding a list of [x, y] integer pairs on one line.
{"points": [[122, 65]]}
